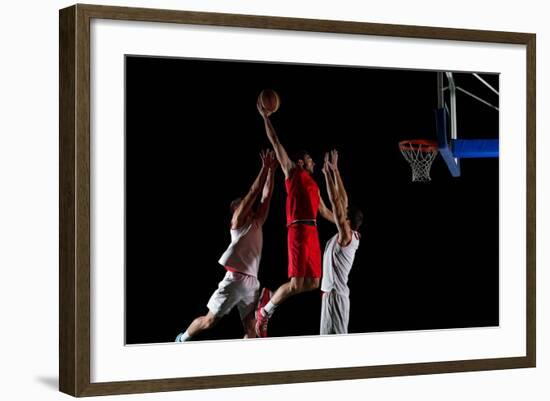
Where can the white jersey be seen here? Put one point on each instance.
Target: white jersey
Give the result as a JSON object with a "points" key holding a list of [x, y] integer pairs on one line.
{"points": [[245, 250], [337, 263]]}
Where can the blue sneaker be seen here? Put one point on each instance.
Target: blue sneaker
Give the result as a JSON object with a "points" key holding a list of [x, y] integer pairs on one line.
{"points": [[179, 338]]}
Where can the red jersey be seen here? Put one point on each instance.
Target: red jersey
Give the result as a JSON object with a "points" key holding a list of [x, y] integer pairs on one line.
{"points": [[302, 201]]}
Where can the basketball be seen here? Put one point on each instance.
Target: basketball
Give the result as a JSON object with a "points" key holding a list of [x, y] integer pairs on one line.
{"points": [[269, 99]]}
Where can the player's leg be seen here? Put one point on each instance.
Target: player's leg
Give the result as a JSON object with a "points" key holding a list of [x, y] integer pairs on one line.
{"points": [[339, 310], [202, 323], [343, 304], [299, 241], [334, 313], [269, 302], [326, 314], [247, 305], [312, 271], [220, 304], [300, 253], [304, 265], [294, 286], [310, 283], [249, 325]]}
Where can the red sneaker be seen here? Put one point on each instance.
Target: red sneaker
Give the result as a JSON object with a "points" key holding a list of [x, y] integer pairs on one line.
{"points": [[261, 318]]}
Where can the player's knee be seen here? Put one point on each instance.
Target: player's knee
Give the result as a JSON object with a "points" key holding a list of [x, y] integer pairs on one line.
{"points": [[208, 321], [312, 284], [292, 288], [296, 287]]}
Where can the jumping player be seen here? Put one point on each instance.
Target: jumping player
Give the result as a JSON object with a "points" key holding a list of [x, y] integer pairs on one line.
{"points": [[304, 252], [240, 285], [339, 253]]}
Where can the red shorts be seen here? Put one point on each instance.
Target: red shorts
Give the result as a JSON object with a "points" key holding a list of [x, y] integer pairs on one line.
{"points": [[304, 251]]}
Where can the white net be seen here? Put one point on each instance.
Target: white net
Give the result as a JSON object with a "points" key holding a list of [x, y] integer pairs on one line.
{"points": [[420, 155]]}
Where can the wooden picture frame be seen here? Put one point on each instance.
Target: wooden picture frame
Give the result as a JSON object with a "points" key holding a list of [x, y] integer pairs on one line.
{"points": [[75, 169]]}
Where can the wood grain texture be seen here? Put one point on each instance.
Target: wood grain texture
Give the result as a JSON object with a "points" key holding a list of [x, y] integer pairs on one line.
{"points": [[302, 376], [67, 273], [74, 204], [301, 24], [531, 201], [82, 200]]}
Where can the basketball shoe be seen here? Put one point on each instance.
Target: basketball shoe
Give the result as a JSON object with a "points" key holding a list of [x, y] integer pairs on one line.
{"points": [[262, 317]]}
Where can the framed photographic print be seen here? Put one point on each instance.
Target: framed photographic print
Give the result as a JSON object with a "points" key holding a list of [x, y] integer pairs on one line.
{"points": [[249, 200]]}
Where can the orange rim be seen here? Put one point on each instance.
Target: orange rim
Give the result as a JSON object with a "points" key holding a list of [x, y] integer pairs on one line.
{"points": [[422, 145]]}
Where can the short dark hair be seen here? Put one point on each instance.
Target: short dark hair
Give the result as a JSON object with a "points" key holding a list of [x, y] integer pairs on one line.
{"points": [[355, 216], [235, 204], [300, 155]]}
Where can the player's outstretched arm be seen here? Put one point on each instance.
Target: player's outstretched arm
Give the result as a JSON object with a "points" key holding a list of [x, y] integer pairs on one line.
{"points": [[282, 156], [325, 211], [244, 208], [338, 178], [267, 192], [340, 214]]}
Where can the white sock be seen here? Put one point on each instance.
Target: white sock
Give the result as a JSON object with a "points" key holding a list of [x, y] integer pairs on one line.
{"points": [[269, 308], [185, 336]]}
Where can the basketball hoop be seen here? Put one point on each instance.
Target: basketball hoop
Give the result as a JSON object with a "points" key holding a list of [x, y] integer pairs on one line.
{"points": [[420, 153]]}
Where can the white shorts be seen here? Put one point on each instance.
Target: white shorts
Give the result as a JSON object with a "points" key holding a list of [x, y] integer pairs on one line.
{"points": [[236, 289], [334, 313]]}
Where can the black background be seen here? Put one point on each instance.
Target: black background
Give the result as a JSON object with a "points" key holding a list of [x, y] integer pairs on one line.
{"points": [[428, 258]]}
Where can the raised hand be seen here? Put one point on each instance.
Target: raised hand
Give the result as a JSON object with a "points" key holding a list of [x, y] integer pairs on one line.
{"points": [[329, 164], [263, 112], [274, 163], [334, 159], [326, 164], [268, 159]]}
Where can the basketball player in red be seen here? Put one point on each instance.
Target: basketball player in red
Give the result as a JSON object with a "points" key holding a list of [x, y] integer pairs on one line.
{"points": [[240, 286], [302, 204]]}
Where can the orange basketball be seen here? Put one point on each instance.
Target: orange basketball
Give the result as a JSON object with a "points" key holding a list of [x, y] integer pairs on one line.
{"points": [[269, 99]]}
